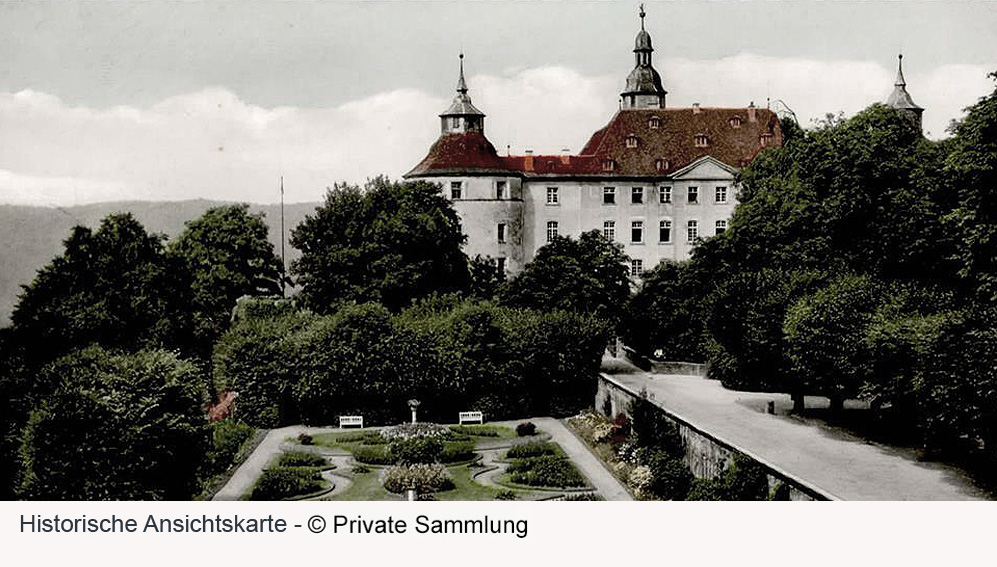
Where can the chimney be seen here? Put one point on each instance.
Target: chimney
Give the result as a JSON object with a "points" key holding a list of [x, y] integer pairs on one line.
{"points": [[752, 116], [695, 108], [528, 161], [565, 155]]}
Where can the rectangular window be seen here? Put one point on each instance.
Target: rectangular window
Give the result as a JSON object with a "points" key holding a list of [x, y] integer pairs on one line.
{"points": [[551, 230], [637, 195], [455, 122], [665, 195], [721, 195], [500, 189], [693, 195], [552, 195], [500, 265], [721, 226], [637, 231], [501, 232], [609, 230], [692, 231], [636, 268], [609, 195], [665, 231], [456, 190]]}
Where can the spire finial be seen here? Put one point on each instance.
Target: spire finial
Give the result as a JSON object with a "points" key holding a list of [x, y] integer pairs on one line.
{"points": [[642, 14], [461, 84], [900, 71]]}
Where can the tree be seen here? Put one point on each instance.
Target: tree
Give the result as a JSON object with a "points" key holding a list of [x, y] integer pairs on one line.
{"points": [[113, 287], [664, 316], [972, 168], [389, 243], [589, 276], [224, 254], [118, 427]]}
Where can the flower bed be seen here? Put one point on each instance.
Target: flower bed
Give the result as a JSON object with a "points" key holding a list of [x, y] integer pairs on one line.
{"points": [[422, 478]]}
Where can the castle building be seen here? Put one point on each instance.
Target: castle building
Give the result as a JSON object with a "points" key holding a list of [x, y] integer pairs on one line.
{"points": [[655, 179]]}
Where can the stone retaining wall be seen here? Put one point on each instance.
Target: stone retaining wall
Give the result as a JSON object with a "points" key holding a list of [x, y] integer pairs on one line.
{"points": [[706, 454]]}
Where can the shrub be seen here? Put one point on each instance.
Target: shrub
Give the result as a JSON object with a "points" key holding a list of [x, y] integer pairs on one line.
{"points": [[621, 428], [416, 450], [305, 439], [228, 437], [413, 430], [361, 469], [365, 437], [585, 496], [476, 430], [743, 479], [373, 455], [277, 483], [640, 480], [301, 459], [526, 429], [672, 478], [422, 478], [545, 470], [530, 449], [456, 451], [652, 429], [506, 495]]}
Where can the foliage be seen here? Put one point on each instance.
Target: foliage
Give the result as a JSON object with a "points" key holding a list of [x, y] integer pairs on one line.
{"points": [[224, 255], [415, 431], [665, 315], [531, 449], [545, 470], [652, 429], [278, 483], [589, 275], [742, 479], [416, 450], [456, 451], [526, 428], [388, 242], [373, 454], [113, 287], [305, 439], [423, 478], [506, 495], [301, 459], [228, 438], [486, 279], [117, 427], [671, 478]]}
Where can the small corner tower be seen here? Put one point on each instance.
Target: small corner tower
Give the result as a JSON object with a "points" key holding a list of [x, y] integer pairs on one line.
{"points": [[462, 117], [900, 99], [644, 88]]}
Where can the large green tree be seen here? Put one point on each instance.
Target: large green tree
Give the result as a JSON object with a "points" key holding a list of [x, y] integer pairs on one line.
{"points": [[589, 275], [388, 242], [224, 255], [112, 287], [972, 170], [117, 427]]}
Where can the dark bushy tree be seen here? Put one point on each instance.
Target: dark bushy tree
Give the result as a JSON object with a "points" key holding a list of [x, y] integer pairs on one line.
{"points": [[388, 242], [589, 275], [118, 427], [224, 255], [664, 318]]}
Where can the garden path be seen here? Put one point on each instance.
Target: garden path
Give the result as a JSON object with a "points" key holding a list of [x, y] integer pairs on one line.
{"points": [[837, 462]]}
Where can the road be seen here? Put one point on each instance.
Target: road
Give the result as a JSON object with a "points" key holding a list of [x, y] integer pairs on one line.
{"points": [[840, 464]]}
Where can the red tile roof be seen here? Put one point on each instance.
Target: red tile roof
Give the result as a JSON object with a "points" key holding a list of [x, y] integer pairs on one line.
{"points": [[726, 134]]}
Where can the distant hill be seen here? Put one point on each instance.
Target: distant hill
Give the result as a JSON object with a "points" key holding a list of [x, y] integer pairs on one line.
{"points": [[31, 236]]}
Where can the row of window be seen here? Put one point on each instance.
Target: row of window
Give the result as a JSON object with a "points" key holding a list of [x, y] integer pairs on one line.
{"points": [[637, 195], [457, 190], [636, 231], [608, 194]]}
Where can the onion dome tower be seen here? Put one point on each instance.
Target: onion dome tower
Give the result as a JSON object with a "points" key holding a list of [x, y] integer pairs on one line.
{"points": [[900, 98], [644, 88]]}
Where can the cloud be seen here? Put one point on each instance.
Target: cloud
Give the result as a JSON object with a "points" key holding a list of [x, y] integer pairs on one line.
{"points": [[211, 144]]}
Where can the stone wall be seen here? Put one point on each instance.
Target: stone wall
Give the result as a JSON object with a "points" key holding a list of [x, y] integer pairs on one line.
{"points": [[706, 454]]}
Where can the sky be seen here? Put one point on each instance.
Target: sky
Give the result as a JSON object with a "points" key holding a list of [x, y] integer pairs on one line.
{"points": [[104, 101]]}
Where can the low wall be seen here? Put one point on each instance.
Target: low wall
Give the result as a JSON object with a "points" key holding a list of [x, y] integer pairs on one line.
{"points": [[706, 454], [663, 366]]}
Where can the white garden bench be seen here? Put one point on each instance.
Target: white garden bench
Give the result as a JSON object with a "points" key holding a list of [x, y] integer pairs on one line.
{"points": [[350, 420], [468, 416]]}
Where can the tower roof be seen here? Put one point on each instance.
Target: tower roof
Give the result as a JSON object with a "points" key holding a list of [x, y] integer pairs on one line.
{"points": [[900, 98], [644, 78], [461, 105]]}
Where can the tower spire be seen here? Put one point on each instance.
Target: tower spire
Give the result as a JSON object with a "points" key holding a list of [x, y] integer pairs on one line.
{"points": [[462, 116], [461, 84], [642, 14], [900, 99], [900, 82], [644, 89]]}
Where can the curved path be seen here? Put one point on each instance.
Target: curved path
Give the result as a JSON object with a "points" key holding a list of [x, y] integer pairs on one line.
{"points": [[840, 464]]}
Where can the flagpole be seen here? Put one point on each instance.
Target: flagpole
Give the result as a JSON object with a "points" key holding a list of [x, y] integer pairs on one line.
{"points": [[283, 260]]}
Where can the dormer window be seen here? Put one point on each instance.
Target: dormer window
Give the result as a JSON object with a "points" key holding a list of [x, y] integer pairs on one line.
{"points": [[631, 141], [608, 165], [765, 139], [661, 164], [735, 122], [701, 141], [654, 123]]}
